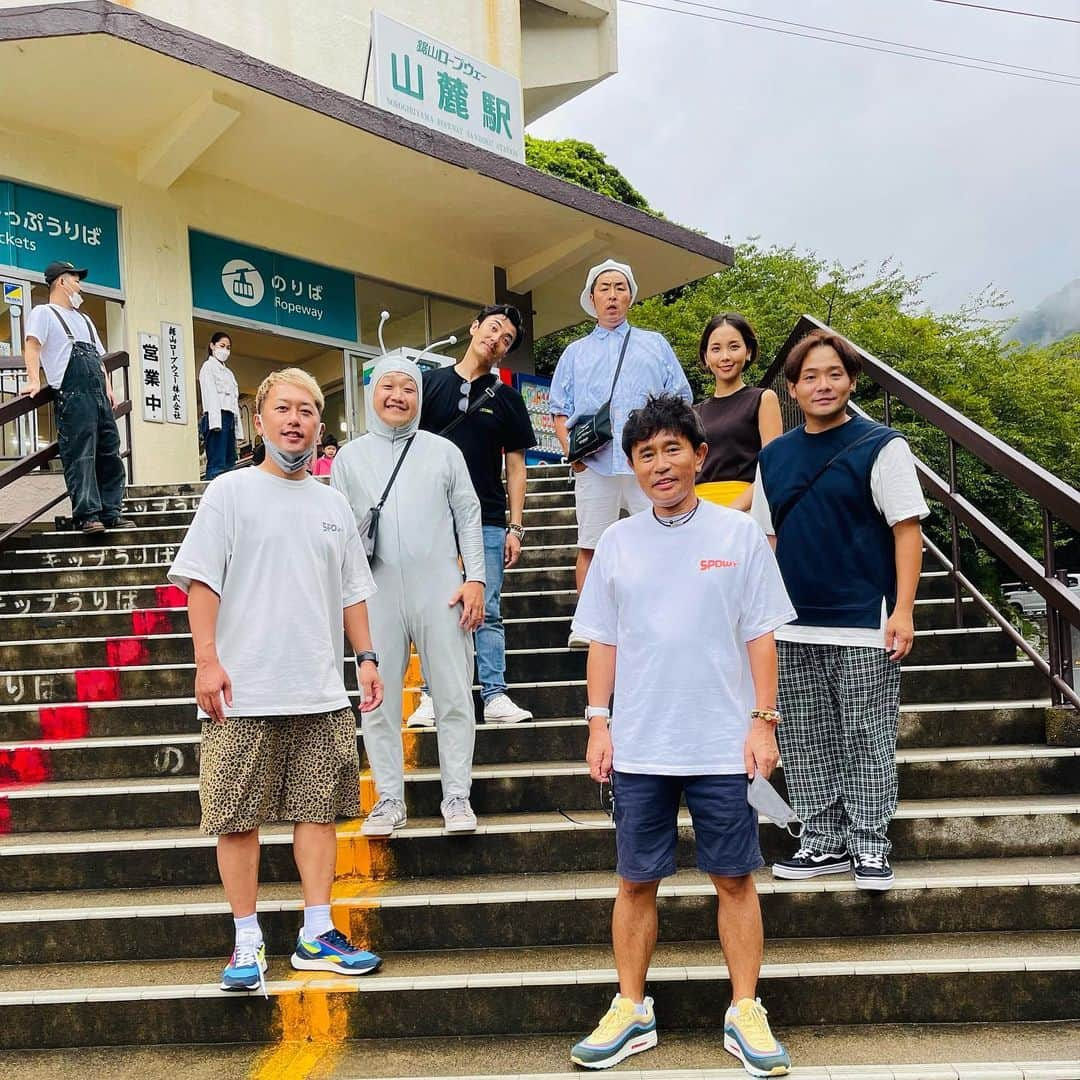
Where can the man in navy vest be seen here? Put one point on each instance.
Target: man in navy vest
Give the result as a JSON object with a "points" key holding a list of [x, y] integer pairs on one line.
{"points": [[841, 499]]}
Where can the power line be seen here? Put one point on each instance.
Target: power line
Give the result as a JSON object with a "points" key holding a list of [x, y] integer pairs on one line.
{"points": [[876, 40], [855, 45], [1009, 11]]}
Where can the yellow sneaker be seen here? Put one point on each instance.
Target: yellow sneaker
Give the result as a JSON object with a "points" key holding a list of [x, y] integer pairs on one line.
{"points": [[747, 1035], [622, 1032]]}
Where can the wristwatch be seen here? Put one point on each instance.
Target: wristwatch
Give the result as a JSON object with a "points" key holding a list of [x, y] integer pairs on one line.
{"points": [[362, 657], [516, 529]]}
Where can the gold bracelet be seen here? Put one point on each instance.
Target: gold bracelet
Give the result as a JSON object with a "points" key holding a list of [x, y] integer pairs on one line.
{"points": [[770, 716]]}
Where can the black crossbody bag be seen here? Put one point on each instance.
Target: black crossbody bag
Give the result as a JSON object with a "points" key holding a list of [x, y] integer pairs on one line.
{"points": [[486, 396], [592, 433], [369, 530]]}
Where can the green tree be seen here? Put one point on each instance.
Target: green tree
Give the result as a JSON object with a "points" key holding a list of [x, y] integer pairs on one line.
{"points": [[582, 164]]}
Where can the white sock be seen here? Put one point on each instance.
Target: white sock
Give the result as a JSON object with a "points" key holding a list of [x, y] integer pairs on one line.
{"points": [[249, 926], [316, 921]]}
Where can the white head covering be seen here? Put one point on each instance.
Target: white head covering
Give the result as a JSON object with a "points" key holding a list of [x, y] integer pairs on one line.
{"points": [[374, 422], [595, 272]]}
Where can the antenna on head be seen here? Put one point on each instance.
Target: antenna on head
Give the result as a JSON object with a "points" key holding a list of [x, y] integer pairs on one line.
{"points": [[451, 340], [383, 316]]}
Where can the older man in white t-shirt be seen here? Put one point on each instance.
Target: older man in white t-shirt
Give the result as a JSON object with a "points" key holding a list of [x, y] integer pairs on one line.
{"points": [[680, 606]]}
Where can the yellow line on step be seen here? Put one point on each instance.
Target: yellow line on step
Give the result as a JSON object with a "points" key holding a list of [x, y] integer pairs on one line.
{"points": [[312, 1025]]}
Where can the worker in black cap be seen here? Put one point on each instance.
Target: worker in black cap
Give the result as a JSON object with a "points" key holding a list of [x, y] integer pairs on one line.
{"points": [[62, 342]]}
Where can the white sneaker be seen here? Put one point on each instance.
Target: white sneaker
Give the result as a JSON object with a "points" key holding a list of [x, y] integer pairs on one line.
{"points": [[458, 814], [386, 816], [424, 713], [576, 641], [501, 710]]}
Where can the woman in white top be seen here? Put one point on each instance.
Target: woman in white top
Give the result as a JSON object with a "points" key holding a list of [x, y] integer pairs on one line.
{"points": [[220, 402]]}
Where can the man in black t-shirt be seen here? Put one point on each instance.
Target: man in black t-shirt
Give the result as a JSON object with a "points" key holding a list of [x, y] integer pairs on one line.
{"points": [[498, 425]]}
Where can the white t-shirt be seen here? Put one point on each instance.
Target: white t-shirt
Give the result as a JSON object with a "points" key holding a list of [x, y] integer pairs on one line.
{"points": [[894, 485], [55, 347], [285, 558], [679, 605]]}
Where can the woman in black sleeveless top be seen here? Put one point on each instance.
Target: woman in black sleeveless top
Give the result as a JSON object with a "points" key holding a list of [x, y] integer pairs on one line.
{"points": [[738, 419]]}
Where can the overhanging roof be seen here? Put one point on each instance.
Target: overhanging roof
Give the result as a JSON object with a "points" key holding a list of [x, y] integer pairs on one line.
{"points": [[328, 150]]}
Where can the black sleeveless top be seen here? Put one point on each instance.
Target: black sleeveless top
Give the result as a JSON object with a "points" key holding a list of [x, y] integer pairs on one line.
{"points": [[731, 430]]}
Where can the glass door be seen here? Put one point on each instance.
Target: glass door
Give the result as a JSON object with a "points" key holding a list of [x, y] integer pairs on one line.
{"points": [[19, 437], [358, 365]]}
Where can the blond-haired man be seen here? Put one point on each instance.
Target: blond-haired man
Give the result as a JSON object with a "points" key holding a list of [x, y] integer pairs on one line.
{"points": [[273, 566]]}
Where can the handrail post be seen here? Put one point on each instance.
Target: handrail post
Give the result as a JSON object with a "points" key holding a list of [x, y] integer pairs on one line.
{"points": [[888, 409], [127, 429], [954, 543], [1053, 618]]}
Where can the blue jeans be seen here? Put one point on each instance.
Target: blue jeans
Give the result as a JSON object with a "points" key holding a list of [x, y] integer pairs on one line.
{"points": [[491, 638], [220, 444]]}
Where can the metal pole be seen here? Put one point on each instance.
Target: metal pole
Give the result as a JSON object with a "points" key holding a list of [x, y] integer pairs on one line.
{"points": [[954, 543], [1053, 619]]}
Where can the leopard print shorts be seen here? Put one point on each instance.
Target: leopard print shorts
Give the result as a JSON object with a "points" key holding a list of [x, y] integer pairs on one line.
{"points": [[278, 768]]}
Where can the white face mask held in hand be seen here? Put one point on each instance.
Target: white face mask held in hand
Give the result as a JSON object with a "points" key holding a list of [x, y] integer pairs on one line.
{"points": [[289, 461], [765, 799]]}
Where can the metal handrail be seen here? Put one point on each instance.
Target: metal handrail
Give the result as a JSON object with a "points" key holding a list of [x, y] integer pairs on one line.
{"points": [[1056, 500], [21, 406]]}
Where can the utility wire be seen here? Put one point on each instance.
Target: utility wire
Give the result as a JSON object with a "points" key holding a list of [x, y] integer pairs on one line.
{"points": [[875, 40], [855, 45], [1009, 11]]}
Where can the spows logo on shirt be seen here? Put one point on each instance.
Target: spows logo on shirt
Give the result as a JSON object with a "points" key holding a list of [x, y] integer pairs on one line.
{"points": [[332, 527], [716, 564]]}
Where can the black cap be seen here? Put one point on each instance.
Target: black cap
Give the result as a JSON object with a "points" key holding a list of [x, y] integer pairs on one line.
{"points": [[55, 269]]}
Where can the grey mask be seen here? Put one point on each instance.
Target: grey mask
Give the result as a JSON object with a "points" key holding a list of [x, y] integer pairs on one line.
{"points": [[765, 799], [289, 461]]}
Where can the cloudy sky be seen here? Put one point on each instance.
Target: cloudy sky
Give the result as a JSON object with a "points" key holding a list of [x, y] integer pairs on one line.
{"points": [[968, 175]]}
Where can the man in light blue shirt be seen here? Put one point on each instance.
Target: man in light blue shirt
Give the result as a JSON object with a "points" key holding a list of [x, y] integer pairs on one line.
{"points": [[604, 483]]}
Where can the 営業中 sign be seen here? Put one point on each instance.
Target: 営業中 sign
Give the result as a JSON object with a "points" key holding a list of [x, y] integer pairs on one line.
{"points": [[150, 388]]}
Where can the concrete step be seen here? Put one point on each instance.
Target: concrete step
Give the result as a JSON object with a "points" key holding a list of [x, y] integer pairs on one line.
{"points": [[528, 843], [38, 804], [999, 1051], [1017, 977], [547, 682], [537, 911], [986, 723]]}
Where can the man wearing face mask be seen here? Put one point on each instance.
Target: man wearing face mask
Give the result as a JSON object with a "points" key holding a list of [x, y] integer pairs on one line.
{"points": [[221, 404], [278, 735], [62, 342], [430, 517]]}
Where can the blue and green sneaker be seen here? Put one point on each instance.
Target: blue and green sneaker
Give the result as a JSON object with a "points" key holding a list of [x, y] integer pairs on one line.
{"points": [[246, 967], [622, 1032], [333, 951]]}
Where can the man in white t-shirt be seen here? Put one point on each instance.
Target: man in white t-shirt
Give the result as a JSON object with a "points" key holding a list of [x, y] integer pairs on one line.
{"points": [[63, 342], [273, 567], [679, 607], [842, 499]]}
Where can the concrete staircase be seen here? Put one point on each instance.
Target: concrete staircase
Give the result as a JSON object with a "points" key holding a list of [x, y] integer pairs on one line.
{"points": [[113, 930]]}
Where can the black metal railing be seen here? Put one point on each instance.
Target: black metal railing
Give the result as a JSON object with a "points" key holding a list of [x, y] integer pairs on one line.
{"points": [[38, 456], [1056, 500]]}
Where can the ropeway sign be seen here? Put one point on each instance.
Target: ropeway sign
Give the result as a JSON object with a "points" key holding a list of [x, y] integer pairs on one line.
{"points": [[432, 83]]}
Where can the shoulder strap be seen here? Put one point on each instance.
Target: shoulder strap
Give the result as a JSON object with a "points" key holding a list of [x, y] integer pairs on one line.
{"points": [[488, 395], [622, 356], [781, 515], [393, 475], [63, 325]]}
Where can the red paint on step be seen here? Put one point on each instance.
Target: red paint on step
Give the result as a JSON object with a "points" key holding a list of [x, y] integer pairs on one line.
{"points": [[126, 652], [151, 621], [28, 765], [171, 596], [5, 816], [97, 684], [65, 722]]}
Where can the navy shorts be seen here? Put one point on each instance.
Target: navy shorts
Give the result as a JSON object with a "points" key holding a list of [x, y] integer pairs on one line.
{"points": [[646, 824]]}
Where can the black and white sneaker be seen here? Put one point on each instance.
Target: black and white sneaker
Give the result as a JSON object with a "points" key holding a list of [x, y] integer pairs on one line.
{"points": [[807, 864], [873, 872]]}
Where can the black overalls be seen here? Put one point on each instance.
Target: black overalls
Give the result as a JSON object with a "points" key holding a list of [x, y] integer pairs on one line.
{"points": [[88, 436]]}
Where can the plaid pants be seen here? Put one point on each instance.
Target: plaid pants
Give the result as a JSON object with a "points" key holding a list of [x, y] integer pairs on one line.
{"points": [[841, 705]]}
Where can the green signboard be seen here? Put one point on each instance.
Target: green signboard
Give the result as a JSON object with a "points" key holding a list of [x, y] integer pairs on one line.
{"points": [[38, 227], [240, 281]]}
